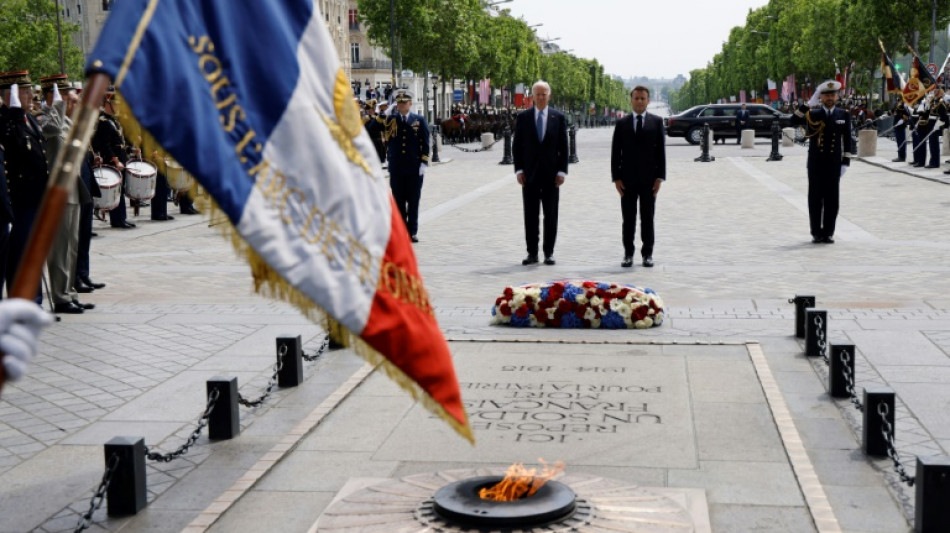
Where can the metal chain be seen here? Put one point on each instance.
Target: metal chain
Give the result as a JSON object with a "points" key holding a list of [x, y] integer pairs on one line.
{"points": [[192, 439], [849, 380], [822, 343], [95, 503], [471, 150], [270, 384], [320, 351], [887, 430]]}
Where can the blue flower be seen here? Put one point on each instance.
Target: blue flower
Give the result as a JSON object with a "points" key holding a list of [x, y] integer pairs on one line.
{"points": [[544, 293], [520, 322], [612, 320], [648, 290], [570, 320], [493, 312], [571, 291], [603, 286]]}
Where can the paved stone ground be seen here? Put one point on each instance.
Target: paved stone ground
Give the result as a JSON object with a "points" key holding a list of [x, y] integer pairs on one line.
{"points": [[732, 247]]}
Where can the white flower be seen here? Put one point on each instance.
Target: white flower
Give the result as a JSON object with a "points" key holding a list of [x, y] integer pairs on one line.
{"points": [[581, 298], [596, 301]]}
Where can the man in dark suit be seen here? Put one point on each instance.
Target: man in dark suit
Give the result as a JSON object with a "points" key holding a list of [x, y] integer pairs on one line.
{"points": [[540, 155], [638, 168], [742, 122], [829, 154], [408, 153]]}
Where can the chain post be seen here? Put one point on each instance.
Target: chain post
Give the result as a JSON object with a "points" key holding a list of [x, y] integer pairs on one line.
{"points": [[816, 332], [801, 302], [126, 491], [85, 520], [841, 367], [932, 492], [704, 146], [320, 351], [224, 422], [192, 439], [776, 137], [290, 360], [572, 137], [435, 145], [878, 417]]}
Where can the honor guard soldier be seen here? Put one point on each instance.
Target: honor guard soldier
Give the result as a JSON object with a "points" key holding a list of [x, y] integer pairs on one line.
{"points": [[925, 125], [408, 152], [830, 149], [901, 119], [109, 143], [374, 127], [25, 159]]}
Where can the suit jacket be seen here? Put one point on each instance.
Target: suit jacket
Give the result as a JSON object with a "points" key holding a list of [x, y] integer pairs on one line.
{"points": [[540, 161], [638, 158], [6, 210], [742, 118], [408, 144], [27, 171], [830, 135]]}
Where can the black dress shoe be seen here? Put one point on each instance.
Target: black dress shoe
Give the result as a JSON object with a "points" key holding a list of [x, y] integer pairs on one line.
{"points": [[549, 260], [83, 288], [946, 171], [915, 165], [828, 240], [88, 281], [83, 306], [413, 238], [190, 211], [932, 166], [530, 260], [163, 217], [898, 160], [68, 308], [124, 225], [817, 240], [93, 234], [627, 261], [648, 262]]}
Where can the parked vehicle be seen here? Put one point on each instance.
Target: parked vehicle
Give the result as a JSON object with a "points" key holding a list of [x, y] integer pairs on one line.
{"points": [[722, 120]]}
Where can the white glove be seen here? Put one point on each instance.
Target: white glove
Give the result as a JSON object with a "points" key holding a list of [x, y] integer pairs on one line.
{"points": [[20, 324], [899, 123], [844, 168], [56, 96], [422, 169], [15, 96], [813, 101]]}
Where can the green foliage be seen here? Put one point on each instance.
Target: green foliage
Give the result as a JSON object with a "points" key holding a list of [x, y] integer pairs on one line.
{"points": [[30, 42], [807, 38]]}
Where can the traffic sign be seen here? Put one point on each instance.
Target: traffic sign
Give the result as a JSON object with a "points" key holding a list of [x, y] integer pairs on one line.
{"points": [[932, 69], [457, 95]]}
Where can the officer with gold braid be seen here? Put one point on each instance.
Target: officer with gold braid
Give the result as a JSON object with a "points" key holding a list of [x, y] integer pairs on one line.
{"points": [[407, 138], [830, 149]]}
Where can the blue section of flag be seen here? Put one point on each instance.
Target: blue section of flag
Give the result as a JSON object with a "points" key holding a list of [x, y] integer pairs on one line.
{"points": [[209, 80]]}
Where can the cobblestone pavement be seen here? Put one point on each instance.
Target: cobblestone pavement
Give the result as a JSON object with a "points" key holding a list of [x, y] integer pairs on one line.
{"points": [[732, 248]]}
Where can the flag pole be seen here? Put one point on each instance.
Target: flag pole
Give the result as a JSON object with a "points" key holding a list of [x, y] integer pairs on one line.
{"points": [[65, 170]]}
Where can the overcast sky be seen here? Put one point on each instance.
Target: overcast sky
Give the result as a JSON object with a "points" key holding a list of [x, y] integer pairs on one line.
{"points": [[655, 38]]}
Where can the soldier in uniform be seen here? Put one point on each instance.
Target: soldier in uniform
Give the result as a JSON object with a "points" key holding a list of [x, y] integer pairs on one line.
{"points": [[6, 217], [110, 144], [408, 152], [374, 127], [901, 118], [26, 168], [830, 150], [925, 125]]}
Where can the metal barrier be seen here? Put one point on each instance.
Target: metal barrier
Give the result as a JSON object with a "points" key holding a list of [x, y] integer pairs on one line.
{"points": [[572, 140], [506, 159], [435, 145], [704, 146], [801, 302], [776, 139]]}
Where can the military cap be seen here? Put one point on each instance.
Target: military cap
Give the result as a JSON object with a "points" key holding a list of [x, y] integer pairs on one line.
{"points": [[62, 80], [370, 104], [403, 95], [829, 86], [20, 77]]}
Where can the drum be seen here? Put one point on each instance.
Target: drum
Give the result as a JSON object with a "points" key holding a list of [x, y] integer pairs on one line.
{"points": [[140, 179], [178, 179], [110, 185]]}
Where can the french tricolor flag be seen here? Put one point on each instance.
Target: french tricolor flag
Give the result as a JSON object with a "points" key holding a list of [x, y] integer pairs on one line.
{"points": [[249, 97]]}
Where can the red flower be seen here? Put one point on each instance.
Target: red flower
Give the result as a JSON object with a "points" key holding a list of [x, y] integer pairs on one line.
{"points": [[499, 300], [580, 309], [528, 300], [623, 293], [541, 315], [504, 309], [586, 322], [522, 311], [556, 323], [640, 312], [564, 306], [508, 293], [555, 292], [589, 285]]}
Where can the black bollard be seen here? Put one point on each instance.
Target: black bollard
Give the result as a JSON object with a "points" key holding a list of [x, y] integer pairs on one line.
{"points": [[932, 492], [776, 139], [816, 331], [572, 137], [877, 400], [435, 145], [506, 159], [842, 357], [225, 420], [290, 359], [126, 492], [801, 303], [704, 145]]}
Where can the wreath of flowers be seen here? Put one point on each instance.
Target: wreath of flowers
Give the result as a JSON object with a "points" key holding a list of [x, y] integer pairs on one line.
{"points": [[578, 304]]}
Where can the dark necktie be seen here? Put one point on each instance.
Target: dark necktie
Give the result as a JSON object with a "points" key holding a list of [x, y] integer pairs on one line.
{"points": [[639, 124], [540, 125]]}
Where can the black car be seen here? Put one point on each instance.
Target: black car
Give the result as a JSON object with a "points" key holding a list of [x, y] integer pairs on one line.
{"points": [[722, 120]]}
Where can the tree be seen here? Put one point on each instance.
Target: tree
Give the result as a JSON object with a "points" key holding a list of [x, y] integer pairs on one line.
{"points": [[30, 41]]}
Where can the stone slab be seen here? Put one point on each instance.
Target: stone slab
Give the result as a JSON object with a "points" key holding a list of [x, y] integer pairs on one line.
{"points": [[742, 482], [181, 399], [760, 519], [273, 511], [884, 348], [930, 403], [99, 433]]}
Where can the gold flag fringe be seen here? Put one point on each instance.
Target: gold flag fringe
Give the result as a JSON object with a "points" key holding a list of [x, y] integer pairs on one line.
{"points": [[268, 282]]}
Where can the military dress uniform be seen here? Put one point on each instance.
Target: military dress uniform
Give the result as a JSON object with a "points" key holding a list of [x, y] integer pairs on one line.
{"points": [[830, 147], [6, 218], [109, 143], [407, 152], [901, 118], [925, 125], [26, 170]]}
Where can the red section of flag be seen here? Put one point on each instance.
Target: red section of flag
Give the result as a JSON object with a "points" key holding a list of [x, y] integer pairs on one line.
{"points": [[402, 324]]}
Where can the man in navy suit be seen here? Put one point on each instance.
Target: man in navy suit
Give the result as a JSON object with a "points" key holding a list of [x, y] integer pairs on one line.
{"points": [[638, 168], [742, 122], [408, 154], [540, 154], [829, 154]]}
